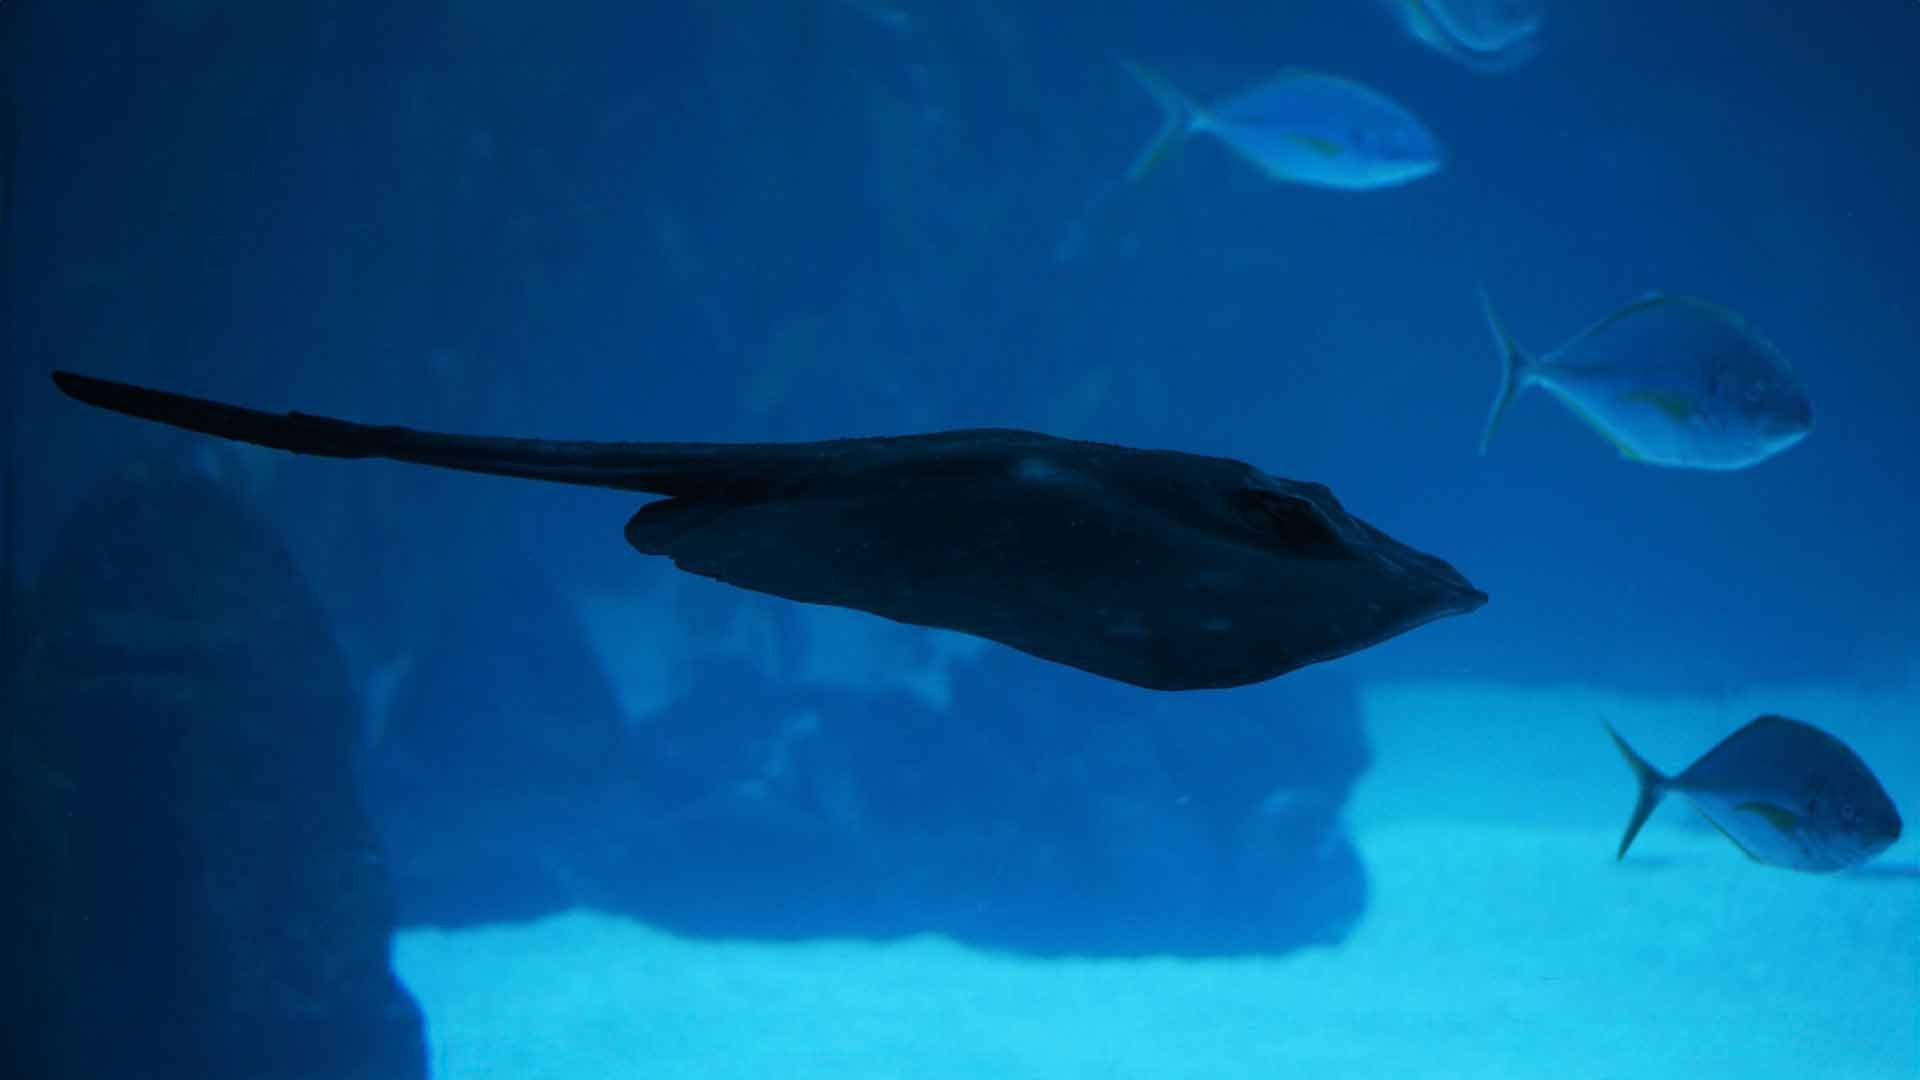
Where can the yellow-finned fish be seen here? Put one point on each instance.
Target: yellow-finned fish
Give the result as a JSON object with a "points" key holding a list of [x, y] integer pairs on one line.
{"points": [[1300, 126], [1786, 793], [1668, 380]]}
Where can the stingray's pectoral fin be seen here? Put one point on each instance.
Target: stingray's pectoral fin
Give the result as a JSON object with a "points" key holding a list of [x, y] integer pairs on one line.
{"points": [[663, 526], [662, 468]]}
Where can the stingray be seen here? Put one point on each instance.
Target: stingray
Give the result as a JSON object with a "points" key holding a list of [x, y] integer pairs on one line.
{"points": [[1163, 569]]}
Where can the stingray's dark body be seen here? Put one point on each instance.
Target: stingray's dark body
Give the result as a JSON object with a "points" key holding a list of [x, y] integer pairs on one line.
{"points": [[1167, 570]]}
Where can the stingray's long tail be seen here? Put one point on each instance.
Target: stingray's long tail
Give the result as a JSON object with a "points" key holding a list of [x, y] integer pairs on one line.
{"points": [[659, 468]]}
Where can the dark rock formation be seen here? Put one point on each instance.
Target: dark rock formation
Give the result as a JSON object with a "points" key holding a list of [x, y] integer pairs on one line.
{"points": [[1040, 810], [212, 903], [34, 833], [1043, 812], [501, 770]]}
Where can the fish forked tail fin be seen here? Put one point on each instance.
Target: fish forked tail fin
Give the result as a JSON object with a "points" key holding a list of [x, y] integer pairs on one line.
{"points": [[1515, 370], [1653, 787], [1177, 116]]}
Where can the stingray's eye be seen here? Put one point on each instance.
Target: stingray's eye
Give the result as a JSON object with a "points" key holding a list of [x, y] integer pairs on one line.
{"points": [[1293, 522]]}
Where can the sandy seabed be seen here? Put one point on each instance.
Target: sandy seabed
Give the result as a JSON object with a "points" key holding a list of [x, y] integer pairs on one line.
{"points": [[1502, 940]]}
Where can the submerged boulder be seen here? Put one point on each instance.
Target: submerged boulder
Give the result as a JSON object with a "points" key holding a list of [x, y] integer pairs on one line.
{"points": [[214, 901], [1026, 806], [1040, 811], [501, 767]]}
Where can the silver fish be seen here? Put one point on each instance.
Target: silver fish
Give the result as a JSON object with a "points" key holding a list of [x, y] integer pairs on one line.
{"points": [[1300, 126], [1668, 380], [1786, 793]]}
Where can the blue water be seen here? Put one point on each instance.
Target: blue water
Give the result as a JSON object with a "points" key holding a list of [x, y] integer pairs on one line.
{"points": [[799, 219]]}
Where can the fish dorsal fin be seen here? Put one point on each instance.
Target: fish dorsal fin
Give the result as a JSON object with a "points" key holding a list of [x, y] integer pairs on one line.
{"points": [[1648, 301], [1632, 307], [1302, 74], [1774, 744]]}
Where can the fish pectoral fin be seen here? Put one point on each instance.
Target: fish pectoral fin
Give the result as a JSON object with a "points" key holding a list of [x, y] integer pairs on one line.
{"points": [[1326, 148], [1728, 833], [1588, 417], [1677, 408], [1782, 820]]}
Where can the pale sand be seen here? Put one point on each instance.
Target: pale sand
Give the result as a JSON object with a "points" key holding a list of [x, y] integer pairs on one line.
{"points": [[1502, 941]]}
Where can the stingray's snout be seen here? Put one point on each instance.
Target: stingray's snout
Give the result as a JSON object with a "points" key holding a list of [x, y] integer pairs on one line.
{"points": [[1460, 593]]}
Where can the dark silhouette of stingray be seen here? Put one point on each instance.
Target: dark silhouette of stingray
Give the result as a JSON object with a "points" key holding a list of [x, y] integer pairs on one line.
{"points": [[1167, 570]]}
